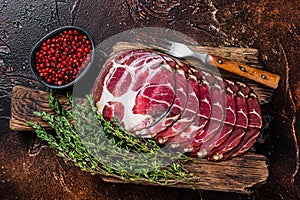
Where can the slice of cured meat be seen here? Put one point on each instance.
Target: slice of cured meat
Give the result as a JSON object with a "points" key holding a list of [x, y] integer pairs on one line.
{"points": [[215, 122], [253, 129], [254, 126], [226, 128], [189, 113], [239, 129], [202, 89], [188, 131], [139, 80], [177, 108]]}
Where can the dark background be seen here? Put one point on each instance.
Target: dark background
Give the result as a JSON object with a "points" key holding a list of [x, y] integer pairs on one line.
{"points": [[29, 169]]}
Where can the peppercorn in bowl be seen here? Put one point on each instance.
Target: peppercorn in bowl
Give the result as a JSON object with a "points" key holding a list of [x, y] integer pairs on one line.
{"points": [[62, 57]]}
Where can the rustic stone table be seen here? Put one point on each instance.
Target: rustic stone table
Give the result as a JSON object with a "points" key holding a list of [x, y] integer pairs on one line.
{"points": [[29, 169]]}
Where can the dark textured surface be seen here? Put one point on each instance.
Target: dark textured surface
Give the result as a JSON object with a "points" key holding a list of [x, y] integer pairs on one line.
{"points": [[30, 170]]}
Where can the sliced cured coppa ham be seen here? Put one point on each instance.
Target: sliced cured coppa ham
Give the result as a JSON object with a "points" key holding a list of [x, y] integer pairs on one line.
{"points": [[156, 96]]}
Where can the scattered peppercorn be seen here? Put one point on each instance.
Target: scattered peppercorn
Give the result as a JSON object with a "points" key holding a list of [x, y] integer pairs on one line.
{"points": [[62, 58]]}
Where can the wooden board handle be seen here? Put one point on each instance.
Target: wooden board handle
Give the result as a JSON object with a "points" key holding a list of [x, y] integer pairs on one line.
{"points": [[260, 76]]}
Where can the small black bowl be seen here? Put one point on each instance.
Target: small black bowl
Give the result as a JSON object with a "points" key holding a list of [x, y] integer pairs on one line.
{"points": [[52, 34]]}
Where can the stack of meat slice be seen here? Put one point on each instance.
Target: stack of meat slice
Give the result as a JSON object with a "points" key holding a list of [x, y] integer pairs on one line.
{"points": [[160, 97]]}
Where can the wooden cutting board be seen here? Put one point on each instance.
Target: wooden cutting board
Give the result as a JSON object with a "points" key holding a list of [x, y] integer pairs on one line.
{"points": [[236, 175]]}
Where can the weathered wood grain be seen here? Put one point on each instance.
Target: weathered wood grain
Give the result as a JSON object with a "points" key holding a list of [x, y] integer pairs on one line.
{"points": [[243, 55], [236, 175], [25, 102]]}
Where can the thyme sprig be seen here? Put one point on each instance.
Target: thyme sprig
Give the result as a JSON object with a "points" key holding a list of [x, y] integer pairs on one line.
{"points": [[102, 147]]}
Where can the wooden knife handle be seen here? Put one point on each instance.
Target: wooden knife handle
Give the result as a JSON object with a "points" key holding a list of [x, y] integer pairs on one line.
{"points": [[257, 75]]}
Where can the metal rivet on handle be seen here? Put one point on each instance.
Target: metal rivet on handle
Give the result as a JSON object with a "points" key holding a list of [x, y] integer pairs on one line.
{"points": [[263, 76], [243, 69]]}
